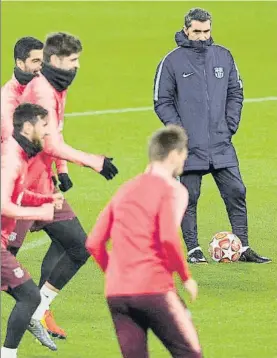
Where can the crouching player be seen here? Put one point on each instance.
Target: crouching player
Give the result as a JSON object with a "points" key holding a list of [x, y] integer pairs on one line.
{"points": [[142, 220], [30, 126]]}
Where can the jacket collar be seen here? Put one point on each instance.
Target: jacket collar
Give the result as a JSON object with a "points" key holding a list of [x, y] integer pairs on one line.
{"points": [[58, 78], [23, 77], [31, 149], [183, 41]]}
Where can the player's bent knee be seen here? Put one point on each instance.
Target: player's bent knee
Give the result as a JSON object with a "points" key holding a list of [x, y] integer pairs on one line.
{"points": [[28, 293], [78, 254]]}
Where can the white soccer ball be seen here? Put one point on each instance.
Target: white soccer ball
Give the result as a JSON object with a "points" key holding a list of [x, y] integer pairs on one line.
{"points": [[225, 247]]}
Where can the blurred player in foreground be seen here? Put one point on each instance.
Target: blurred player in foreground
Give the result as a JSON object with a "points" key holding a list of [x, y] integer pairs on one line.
{"points": [[142, 220], [30, 126], [67, 253]]}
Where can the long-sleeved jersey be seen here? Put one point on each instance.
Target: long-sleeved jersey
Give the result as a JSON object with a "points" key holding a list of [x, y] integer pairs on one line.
{"points": [[10, 99], [14, 167], [11, 94], [142, 221], [40, 91]]}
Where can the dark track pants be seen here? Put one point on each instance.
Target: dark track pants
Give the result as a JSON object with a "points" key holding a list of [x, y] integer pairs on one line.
{"points": [[232, 191]]}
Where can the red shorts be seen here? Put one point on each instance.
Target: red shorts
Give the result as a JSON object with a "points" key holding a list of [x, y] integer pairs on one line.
{"points": [[23, 226], [12, 273]]}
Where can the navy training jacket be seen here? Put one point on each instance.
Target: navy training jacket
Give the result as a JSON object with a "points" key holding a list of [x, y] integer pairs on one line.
{"points": [[198, 86]]}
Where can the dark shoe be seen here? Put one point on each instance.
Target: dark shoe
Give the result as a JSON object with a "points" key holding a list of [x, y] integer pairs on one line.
{"points": [[251, 256], [197, 257]]}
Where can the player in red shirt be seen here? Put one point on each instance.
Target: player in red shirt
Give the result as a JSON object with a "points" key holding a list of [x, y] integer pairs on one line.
{"points": [[142, 220], [67, 252], [28, 54], [30, 126]]}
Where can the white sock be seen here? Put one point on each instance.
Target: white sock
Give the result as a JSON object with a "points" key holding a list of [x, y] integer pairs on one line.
{"points": [[244, 248], [192, 251], [47, 296], [8, 352]]}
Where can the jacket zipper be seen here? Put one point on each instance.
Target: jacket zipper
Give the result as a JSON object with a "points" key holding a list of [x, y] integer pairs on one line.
{"points": [[208, 102]]}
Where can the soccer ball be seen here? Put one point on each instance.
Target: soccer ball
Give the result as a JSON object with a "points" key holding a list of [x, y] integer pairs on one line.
{"points": [[225, 247]]}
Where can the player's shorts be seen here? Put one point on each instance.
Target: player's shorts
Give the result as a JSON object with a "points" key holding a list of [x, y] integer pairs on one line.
{"points": [[23, 226], [12, 273], [165, 314]]}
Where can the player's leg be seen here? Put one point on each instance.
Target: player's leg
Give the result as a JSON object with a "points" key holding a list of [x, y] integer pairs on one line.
{"points": [[50, 260], [131, 328], [53, 255], [192, 181], [72, 237], [170, 320], [16, 281], [233, 192], [56, 249]]}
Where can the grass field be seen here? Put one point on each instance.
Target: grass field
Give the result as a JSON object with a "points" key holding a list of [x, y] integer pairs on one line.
{"points": [[123, 43]]}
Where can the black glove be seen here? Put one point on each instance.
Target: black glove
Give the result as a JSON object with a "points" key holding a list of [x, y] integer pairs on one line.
{"points": [[65, 181], [109, 171]]}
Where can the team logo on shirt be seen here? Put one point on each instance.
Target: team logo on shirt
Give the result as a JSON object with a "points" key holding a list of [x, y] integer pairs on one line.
{"points": [[12, 236], [218, 72], [18, 272]]}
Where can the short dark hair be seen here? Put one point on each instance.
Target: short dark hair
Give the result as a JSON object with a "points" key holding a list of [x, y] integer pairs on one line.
{"points": [[165, 140], [27, 112], [197, 14], [61, 44], [24, 46]]}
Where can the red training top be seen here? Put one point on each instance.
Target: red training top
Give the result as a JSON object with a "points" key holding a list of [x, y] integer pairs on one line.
{"points": [[141, 221], [40, 91], [11, 94], [14, 165]]}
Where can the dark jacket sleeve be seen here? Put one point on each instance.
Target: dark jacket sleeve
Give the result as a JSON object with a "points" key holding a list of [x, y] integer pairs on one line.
{"points": [[164, 94], [234, 101]]}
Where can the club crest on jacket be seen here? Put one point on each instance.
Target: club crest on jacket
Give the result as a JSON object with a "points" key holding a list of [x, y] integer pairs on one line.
{"points": [[218, 72]]}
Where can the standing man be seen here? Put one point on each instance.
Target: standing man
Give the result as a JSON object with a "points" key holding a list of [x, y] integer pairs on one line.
{"points": [[198, 87], [30, 126], [142, 221]]}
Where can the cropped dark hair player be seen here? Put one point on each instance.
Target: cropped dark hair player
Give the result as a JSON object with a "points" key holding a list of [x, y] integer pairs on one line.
{"points": [[28, 61], [30, 127], [142, 222]]}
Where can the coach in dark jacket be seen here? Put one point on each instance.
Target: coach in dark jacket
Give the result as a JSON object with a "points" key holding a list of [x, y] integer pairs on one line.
{"points": [[198, 86]]}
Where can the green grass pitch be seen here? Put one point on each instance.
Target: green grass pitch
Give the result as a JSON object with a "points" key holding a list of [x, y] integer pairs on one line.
{"points": [[123, 43]]}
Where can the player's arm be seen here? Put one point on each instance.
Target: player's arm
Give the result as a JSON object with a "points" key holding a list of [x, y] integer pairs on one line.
{"points": [[98, 237], [165, 93], [62, 171], [56, 147], [169, 237], [61, 166], [30, 198], [181, 199], [8, 104], [10, 171], [234, 100]]}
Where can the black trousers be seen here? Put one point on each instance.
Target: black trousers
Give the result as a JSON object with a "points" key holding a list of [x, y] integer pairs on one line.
{"points": [[233, 193], [165, 314], [70, 253]]}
